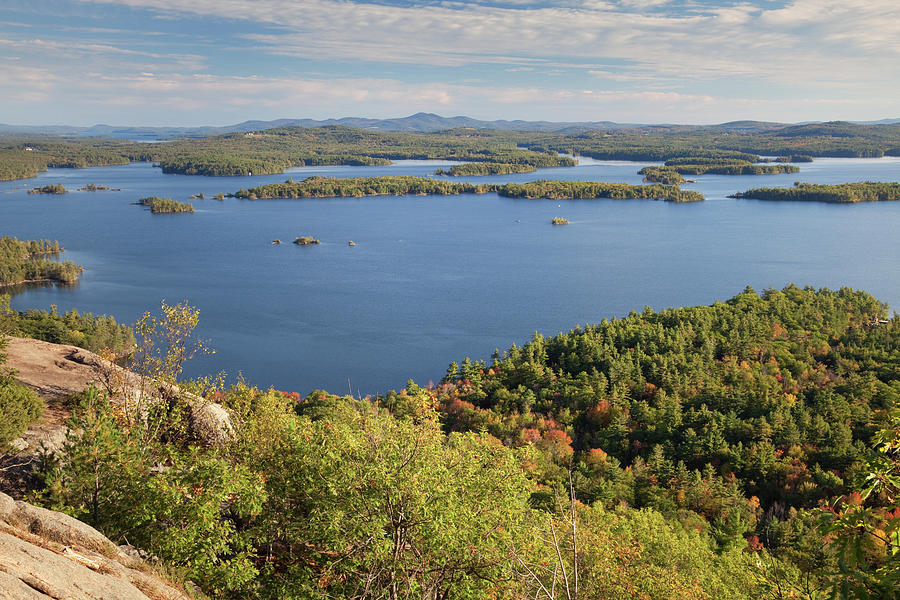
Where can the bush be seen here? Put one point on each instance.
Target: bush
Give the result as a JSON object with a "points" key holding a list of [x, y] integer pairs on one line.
{"points": [[19, 407]]}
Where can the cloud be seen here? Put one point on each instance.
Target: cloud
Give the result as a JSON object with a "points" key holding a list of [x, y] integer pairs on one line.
{"points": [[724, 40], [584, 55], [188, 99]]}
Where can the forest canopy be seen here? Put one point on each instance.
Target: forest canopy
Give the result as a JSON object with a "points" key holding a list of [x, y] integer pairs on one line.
{"points": [[843, 193], [329, 187]]}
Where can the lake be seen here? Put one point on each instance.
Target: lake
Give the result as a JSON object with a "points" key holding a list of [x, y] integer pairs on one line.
{"points": [[434, 279]]}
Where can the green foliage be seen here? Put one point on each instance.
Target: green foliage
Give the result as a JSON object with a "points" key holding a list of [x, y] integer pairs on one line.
{"points": [[664, 175], [639, 554], [844, 193], [485, 168], [23, 261], [744, 168], [274, 150], [593, 189], [712, 415], [166, 205], [328, 187], [691, 438], [795, 158], [19, 164], [663, 143], [675, 167], [56, 188], [362, 504], [85, 330], [864, 525], [182, 506], [19, 408], [165, 341], [27, 158], [513, 162]]}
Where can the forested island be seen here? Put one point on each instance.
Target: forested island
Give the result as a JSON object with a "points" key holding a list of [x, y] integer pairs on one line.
{"points": [[743, 450], [842, 193], [24, 261], [160, 206], [93, 187], [485, 168], [55, 188], [564, 190], [526, 164], [674, 169], [664, 175], [404, 185], [274, 150]]}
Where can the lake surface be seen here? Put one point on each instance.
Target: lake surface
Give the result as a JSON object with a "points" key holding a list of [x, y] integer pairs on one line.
{"points": [[434, 279]]}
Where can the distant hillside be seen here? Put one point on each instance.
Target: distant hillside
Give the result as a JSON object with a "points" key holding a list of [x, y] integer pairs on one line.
{"points": [[417, 123]]}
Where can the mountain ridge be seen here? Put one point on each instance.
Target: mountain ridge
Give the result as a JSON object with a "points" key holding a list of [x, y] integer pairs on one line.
{"points": [[420, 122]]}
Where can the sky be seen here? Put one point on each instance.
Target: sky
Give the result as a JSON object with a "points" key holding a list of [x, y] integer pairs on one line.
{"points": [[218, 62]]}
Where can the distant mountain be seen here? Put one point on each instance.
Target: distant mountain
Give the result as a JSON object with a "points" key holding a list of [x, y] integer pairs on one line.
{"points": [[879, 122], [417, 123]]}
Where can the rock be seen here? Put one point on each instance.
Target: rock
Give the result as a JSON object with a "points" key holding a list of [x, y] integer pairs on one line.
{"points": [[54, 526], [48, 555], [211, 423], [306, 240], [57, 371]]}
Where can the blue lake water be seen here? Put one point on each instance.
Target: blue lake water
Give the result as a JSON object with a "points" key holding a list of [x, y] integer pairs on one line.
{"points": [[434, 279]]}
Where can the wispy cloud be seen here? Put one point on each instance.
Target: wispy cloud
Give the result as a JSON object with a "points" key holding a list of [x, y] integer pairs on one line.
{"points": [[679, 60], [742, 38]]}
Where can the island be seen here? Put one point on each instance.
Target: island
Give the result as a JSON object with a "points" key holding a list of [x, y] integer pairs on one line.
{"points": [[665, 175], [485, 168], [55, 188], [842, 193], [25, 261], [523, 163], [406, 185], [674, 169], [166, 205], [306, 240]]}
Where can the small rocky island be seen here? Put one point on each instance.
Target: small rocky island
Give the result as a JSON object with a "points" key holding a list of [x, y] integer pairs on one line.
{"points": [[306, 240], [56, 188]]}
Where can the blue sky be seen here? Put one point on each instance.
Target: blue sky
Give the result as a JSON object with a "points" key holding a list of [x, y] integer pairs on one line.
{"points": [[215, 62]]}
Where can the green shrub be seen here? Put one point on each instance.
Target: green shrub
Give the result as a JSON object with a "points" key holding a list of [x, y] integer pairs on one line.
{"points": [[19, 407]]}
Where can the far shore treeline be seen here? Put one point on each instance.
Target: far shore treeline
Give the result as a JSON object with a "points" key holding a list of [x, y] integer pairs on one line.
{"points": [[485, 151]]}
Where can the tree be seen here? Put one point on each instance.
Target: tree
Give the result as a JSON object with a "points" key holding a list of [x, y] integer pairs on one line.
{"points": [[864, 526], [19, 405], [365, 505]]}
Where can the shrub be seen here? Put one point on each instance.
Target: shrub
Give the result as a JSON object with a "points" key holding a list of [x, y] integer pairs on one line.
{"points": [[19, 407]]}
